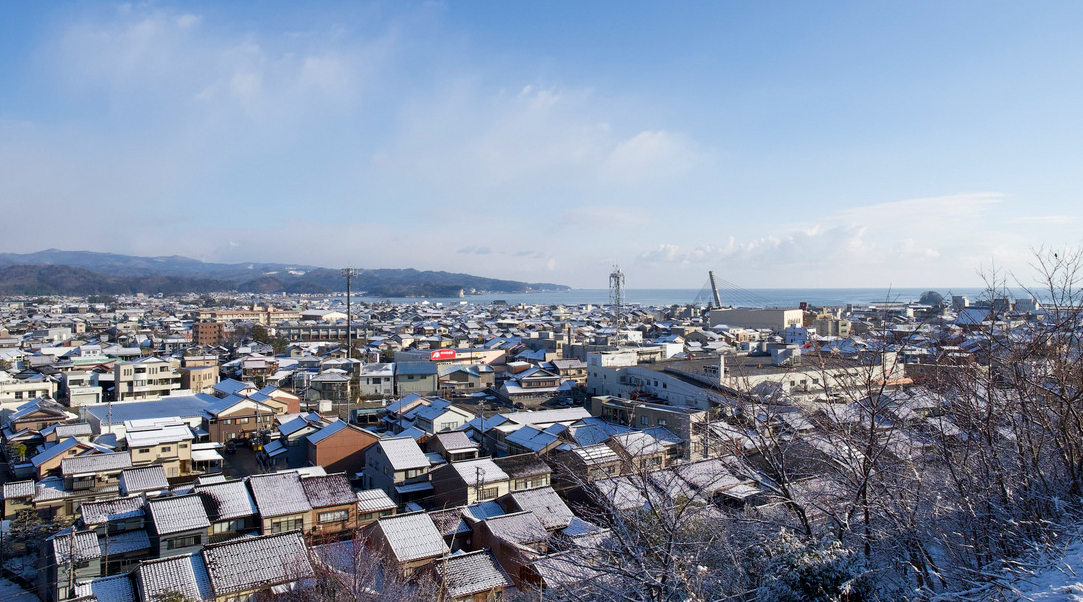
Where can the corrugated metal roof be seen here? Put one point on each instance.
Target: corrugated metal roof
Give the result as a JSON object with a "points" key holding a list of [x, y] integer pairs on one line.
{"points": [[404, 453], [412, 536], [374, 500]]}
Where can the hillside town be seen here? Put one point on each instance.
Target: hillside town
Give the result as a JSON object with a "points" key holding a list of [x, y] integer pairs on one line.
{"points": [[227, 447]]}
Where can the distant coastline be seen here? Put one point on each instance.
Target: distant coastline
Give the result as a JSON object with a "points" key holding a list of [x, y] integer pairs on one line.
{"points": [[758, 297]]}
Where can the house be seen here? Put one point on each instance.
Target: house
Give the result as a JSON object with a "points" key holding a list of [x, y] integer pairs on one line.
{"points": [[67, 558], [332, 385], [241, 568], [164, 441], [439, 416], [340, 447], [452, 446], [686, 422], [525, 471], [416, 377], [290, 448], [230, 509], [373, 504], [410, 541], [471, 577], [37, 415], [145, 378], [147, 479], [585, 464], [516, 540], [573, 370], [460, 379], [177, 524], [544, 502], [282, 502], [234, 417], [399, 467], [376, 380], [95, 472], [334, 505], [648, 449], [468, 481]]}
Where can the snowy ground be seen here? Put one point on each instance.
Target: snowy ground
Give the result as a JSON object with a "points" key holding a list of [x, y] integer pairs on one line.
{"points": [[9, 592], [23, 566], [1060, 583]]}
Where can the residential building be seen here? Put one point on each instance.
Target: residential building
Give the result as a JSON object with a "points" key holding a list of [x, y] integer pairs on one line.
{"points": [[147, 378]]}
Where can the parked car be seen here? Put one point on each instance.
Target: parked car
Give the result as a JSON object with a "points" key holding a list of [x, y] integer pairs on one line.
{"points": [[231, 448]]}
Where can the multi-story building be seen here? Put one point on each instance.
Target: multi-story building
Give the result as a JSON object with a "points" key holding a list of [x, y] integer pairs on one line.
{"points": [[146, 378], [199, 373], [208, 333]]}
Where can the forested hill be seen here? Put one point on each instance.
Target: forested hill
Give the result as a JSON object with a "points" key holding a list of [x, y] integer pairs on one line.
{"points": [[87, 273]]}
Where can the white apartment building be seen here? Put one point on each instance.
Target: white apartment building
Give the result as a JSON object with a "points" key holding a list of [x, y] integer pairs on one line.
{"points": [[146, 378]]}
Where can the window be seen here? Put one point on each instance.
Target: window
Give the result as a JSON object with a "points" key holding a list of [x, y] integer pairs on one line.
{"points": [[166, 449], [489, 493], [182, 542], [334, 516], [227, 421], [231, 435], [281, 525], [242, 421], [644, 420], [661, 422], [144, 450], [182, 446]]}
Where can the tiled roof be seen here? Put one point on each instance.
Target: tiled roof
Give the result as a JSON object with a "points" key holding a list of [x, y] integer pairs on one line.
{"points": [[64, 431], [176, 514], [85, 547], [279, 493], [138, 480], [226, 501], [18, 489], [520, 527], [186, 575], [329, 490], [95, 463], [117, 588], [254, 563], [122, 543], [412, 536], [96, 513], [523, 465], [374, 500], [482, 470], [449, 521], [546, 506], [472, 573], [54, 451]]}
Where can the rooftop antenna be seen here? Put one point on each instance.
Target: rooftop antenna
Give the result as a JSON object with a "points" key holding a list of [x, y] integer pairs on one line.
{"points": [[616, 294], [349, 273]]}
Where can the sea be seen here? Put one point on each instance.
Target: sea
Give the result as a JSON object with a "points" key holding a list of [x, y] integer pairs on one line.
{"points": [[759, 297]]}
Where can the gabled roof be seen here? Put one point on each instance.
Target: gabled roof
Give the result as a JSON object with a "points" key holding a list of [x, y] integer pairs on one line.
{"points": [[520, 528], [226, 501], [278, 494], [176, 514], [404, 453], [546, 505], [328, 490], [454, 441], [96, 513], [115, 588], [412, 536], [56, 450], [471, 573], [480, 470], [331, 429], [95, 463], [84, 547], [139, 480], [256, 563], [374, 500], [186, 575]]}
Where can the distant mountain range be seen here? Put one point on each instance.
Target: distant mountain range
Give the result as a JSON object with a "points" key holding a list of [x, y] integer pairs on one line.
{"points": [[54, 272]]}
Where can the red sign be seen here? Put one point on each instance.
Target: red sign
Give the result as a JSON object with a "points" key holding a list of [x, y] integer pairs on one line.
{"points": [[442, 354]]}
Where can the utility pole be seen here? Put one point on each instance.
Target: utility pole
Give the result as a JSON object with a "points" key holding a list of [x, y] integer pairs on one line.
{"points": [[349, 273]]}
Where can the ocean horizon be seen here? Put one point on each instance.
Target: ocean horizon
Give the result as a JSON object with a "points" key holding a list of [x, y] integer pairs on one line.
{"points": [[756, 297]]}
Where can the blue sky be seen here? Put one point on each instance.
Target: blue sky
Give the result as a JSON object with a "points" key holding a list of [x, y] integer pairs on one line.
{"points": [[781, 144]]}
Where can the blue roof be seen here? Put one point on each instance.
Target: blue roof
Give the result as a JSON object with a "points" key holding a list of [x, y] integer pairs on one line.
{"points": [[327, 431], [182, 406]]}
